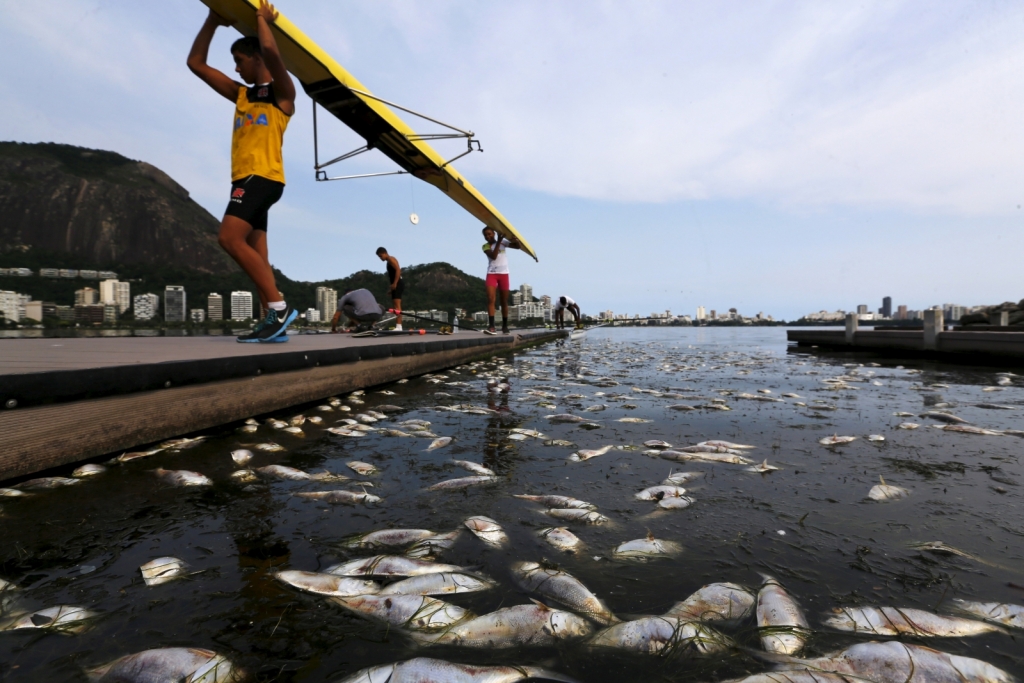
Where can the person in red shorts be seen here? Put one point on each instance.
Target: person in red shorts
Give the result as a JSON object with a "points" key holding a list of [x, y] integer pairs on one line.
{"points": [[497, 276]]}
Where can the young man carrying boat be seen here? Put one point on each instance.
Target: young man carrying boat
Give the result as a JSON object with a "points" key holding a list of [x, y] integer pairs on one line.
{"points": [[396, 284], [497, 276], [262, 112]]}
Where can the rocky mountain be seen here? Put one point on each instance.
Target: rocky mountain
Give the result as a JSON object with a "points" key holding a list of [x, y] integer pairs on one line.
{"points": [[103, 209]]}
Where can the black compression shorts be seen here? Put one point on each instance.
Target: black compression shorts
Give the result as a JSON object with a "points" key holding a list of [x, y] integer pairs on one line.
{"points": [[251, 199], [396, 293]]}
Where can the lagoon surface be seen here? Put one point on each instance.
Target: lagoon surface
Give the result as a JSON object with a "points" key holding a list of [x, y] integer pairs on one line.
{"points": [[808, 524]]}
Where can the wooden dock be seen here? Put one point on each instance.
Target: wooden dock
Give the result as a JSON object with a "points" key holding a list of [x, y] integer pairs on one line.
{"points": [[66, 400], [959, 346]]}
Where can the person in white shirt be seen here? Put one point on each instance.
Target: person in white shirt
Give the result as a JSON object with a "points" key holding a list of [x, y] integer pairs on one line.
{"points": [[497, 276], [565, 303]]}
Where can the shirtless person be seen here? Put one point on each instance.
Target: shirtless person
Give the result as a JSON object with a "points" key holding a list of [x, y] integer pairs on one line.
{"points": [[395, 283], [497, 276], [564, 304], [262, 112]]}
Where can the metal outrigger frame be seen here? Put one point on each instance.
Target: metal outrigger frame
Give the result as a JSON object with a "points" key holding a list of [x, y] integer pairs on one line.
{"points": [[472, 144]]}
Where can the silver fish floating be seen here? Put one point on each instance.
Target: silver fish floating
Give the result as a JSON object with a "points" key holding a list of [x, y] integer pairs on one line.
{"points": [[184, 664], [327, 584], [182, 477], [340, 497], [643, 549], [62, 619], [462, 483], [715, 602], [883, 491], [780, 620], [426, 670], [412, 612], [895, 621], [389, 565], [563, 588], [564, 502], [439, 583], [561, 538], [999, 613], [90, 470], [162, 570], [662, 636], [518, 626], [487, 530]]}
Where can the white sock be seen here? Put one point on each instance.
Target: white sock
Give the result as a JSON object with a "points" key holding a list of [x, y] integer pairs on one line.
{"points": [[278, 305], [398, 328]]}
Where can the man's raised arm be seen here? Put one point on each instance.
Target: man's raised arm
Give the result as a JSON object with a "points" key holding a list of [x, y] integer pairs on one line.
{"points": [[284, 89], [214, 78]]}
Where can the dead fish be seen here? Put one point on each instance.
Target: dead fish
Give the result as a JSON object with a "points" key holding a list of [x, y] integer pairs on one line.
{"points": [[559, 442], [836, 440], [248, 429], [680, 478], [708, 448], [527, 432], [883, 491], [244, 476], [429, 547], [727, 444], [647, 548], [327, 584], [518, 626], [412, 612], [426, 670], [183, 477], [340, 497], [907, 425], [277, 424], [894, 621], [43, 483], [292, 474], [13, 493], [475, 468], [659, 492], [563, 588], [780, 620], [128, 457], [681, 407], [994, 406], [62, 618], [178, 664], [903, 414], [875, 437], [269, 447], [656, 443], [162, 570], [363, 469], [791, 395], [463, 483], [90, 470], [439, 583], [564, 502], [574, 515], [583, 455], [1000, 613], [315, 419], [677, 456], [440, 442], [633, 420], [762, 468], [389, 565], [182, 444], [325, 408], [561, 538], [354, 433], [885, 662], [595, 408], [242, 456], [487, 530], [968, 429], [662, 636], [294, 431], [944, 417], [565, 418], [714, 602], [942, 548], [388, 538]]}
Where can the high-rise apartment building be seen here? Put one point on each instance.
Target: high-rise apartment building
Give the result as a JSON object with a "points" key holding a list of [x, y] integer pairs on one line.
{"points": [[862, 309], [901, 312], [146, 306], [527, 292], [214, 306], [701, 313], [313, 315], [886, 309], [241, 305], [515, 298], [86, 296], [197, 315], [326, 302], [174, 304], [117, 294], [9, 306]]}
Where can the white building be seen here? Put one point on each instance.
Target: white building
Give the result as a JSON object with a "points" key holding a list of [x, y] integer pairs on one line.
{"points": [[527, 292], [313, 315], [241, 305], [326, 302], [9, 306], [214, 306], [116, 293], [480, 317], [515, 298], [86, 296], [146, 306], [174, 304], [197, 315], [702, 314], [49, 272]]}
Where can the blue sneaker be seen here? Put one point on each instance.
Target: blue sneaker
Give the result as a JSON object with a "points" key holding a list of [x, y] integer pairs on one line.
{"points": [[254, 336], [276, 324]]}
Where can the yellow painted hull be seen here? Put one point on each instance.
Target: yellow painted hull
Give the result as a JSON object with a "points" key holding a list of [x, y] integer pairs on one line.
{"points": [[331, 86]]}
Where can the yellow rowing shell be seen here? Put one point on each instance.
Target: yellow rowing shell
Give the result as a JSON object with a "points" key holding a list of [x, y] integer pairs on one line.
{"points": [[332, 87]]}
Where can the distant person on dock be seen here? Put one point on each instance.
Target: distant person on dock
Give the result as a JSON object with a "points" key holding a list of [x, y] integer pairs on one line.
{"points": [[262, 112], [564, 304], [497, 276], [361, 309], [395, 283]]}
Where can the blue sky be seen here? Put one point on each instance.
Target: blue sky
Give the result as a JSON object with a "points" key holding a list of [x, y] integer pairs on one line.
{"points": [[781, 157]]}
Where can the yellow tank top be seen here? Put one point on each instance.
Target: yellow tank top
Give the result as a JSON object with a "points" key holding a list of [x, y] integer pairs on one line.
{"points": [[258, 134]]}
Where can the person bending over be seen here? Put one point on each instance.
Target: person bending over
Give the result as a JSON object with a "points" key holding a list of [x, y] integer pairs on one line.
{"points": [[361, 309], [497, 276], [395, 282], [262, 112], [564, 304]]}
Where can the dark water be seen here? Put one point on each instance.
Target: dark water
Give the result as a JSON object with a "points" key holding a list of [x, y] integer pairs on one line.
{"points": [[83, 545]]}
